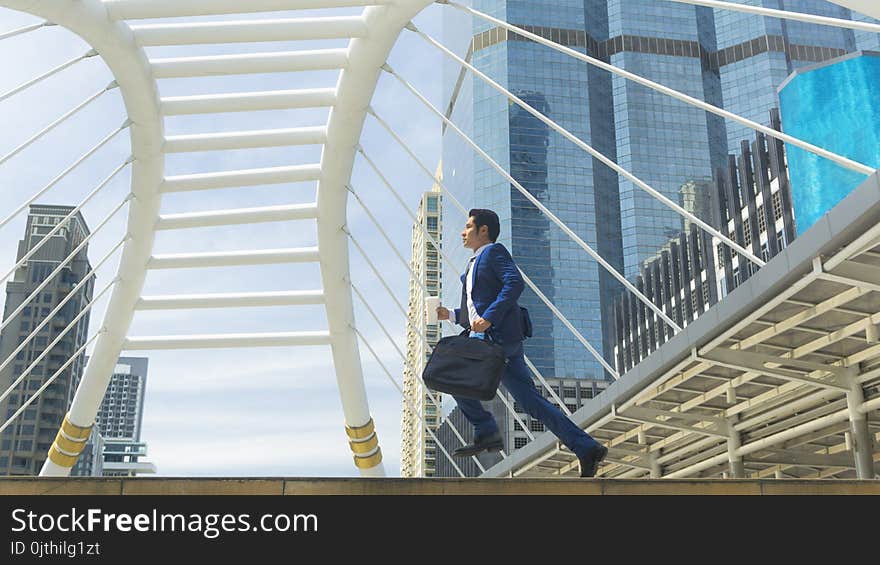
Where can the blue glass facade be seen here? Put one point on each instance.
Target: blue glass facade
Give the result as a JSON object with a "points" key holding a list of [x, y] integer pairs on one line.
{"points": [[818, 104], [728, 59]]}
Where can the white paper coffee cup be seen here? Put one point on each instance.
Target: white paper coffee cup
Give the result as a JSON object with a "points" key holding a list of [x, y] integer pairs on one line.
{"points": [[431, 305]]}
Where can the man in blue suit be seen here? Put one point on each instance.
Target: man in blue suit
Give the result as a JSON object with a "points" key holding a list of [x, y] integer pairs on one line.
{"points": [[491, 286]]}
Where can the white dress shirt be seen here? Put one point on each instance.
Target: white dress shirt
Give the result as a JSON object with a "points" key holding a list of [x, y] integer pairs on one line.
{"points": [[469, 283]]}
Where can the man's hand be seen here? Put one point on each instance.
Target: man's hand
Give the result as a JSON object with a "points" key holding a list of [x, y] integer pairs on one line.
{"points": [[480, 325], [442, 313]]}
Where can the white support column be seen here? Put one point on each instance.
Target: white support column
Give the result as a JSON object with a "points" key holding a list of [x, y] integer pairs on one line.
{"points": [[656, 468], [862, 444], [737, 468], [355, 89], [128, 63]]}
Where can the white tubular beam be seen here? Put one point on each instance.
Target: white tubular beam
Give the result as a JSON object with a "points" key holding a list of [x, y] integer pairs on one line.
{"points": [[757, 445], [842, 161], [22, 30], [408, 402], [146, 9], [63, 174], [46, 75], [244, 31], [357, 83], [234, 258], [238, 217], [231, 300], [130, 68], [589, 149], [245, 139], [248, 101], [537, 203], [783, 14], [46, 238], [870, 405], [247, 177], [250, 63], [59, 121], [223, 341]]}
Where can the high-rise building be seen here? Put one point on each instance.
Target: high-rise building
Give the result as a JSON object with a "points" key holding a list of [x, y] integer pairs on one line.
{"points": [[117, 432], [693, 271], [418, 453], [24, 445], [729, 59]]}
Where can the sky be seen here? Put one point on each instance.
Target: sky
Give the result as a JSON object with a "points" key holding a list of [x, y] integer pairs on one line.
{"points": [[243, 412]]}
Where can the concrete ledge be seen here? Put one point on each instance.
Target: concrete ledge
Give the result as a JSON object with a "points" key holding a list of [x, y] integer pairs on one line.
{"points": [[320, 486]]}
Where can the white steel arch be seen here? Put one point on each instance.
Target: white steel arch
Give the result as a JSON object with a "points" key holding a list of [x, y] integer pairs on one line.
{"points": [[372, 35], [115, 43]]}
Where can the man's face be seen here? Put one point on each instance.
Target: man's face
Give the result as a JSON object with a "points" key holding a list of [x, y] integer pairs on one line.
{"points": [[471, 237]]}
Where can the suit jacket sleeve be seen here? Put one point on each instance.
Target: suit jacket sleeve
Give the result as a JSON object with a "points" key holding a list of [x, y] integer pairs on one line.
{"points": [[502, 265]]}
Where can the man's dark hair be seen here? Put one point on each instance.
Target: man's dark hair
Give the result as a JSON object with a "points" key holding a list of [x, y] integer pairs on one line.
{"points": [[483, 217]]}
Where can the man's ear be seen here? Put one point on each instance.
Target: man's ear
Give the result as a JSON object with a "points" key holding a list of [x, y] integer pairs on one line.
{"points": [[484, 230]]}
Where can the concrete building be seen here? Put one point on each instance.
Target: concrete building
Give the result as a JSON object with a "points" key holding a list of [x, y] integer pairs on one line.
{"points": [[418, 453], [694, 271], [25, 444]]}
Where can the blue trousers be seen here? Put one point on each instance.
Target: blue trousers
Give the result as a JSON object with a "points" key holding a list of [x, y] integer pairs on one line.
{"points": [[518, 381]]}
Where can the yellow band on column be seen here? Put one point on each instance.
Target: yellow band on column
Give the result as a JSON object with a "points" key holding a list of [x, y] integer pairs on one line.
{"points": [[365, 446], [61, 459], [73, 431], [361, 432], [67, 444], [369, 461]]}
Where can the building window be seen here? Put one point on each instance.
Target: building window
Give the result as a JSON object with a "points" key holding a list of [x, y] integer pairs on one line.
{"points": [[569, 391], [780, 239], [747, 233], [586, 393], [536, 426], [571, 407], [705, 292], [431, 223], [777, 206], [762, 220], [519, 442], [517, 427]]}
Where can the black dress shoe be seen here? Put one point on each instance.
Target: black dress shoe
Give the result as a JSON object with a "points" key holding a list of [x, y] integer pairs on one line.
{"points": [[491, 442], [590, 462]]}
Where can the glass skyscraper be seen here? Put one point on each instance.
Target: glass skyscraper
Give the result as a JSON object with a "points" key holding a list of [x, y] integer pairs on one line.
{"points": [[729, 59]]}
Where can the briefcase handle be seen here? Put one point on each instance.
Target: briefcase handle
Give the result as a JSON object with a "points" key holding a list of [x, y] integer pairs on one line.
{"points": [[487, 335]]}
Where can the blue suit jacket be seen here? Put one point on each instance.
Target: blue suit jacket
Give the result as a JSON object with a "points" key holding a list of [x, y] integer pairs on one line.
{"points": [[497, 286]]}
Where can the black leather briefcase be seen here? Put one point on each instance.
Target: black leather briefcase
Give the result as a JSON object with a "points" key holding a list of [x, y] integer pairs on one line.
{"points": [[465, 366]]}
